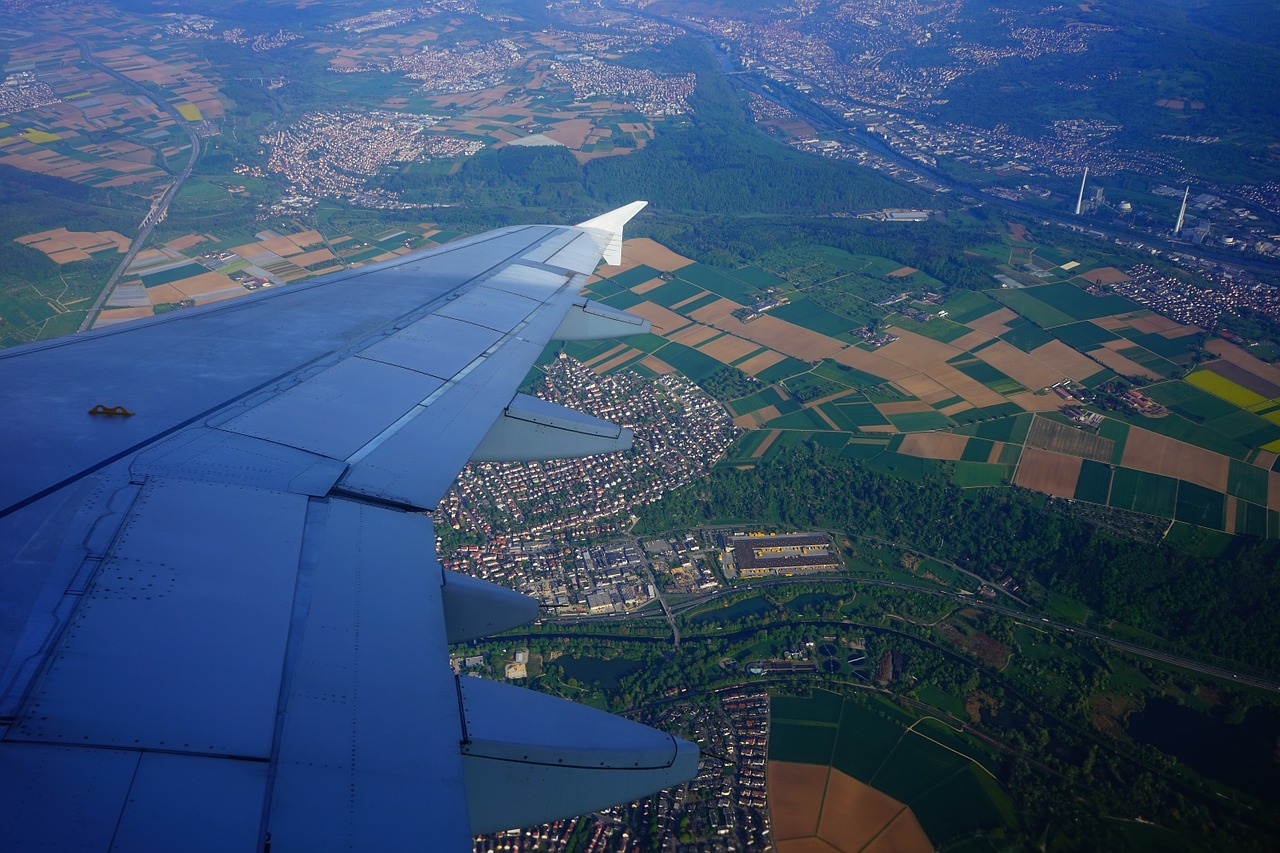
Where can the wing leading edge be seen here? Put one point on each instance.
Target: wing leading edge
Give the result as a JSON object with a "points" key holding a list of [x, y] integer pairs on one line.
{"points": [[222, 621]]}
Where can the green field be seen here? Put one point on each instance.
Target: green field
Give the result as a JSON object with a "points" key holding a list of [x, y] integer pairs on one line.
{"points": [[719, 281], [922, 763], [1248, 482], [968, 305], [850, 376], [1142, 492], [1190, 402], [814, 317], [689, 361], [977, 450], [859, 414], [672, 293], [756, 401], [1200, 506], [976, 368], [786, 368], [939, 328], [173, 274], [1009, 428], [802, 419], [1083, 336], [968, 475], [1094, 484], [1026, 336], [919, 421]]}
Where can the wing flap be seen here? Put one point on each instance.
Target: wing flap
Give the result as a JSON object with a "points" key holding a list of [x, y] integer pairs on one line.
{"points": [[371, 723], [337, 412], [166, 650]]}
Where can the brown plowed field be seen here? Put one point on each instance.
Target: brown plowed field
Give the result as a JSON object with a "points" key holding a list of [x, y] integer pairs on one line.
{"points": [[1030, 372], [934, 445], [815, 808], [111, 316], [995, 323], [1120, 364], [1033, 402], [1158, 454], [873, 362], [657, 365], [694, 335], [760, 363], [646, 286], [728, 348], [965, 386], [1066, 360], [1104, 275], [1237, 356], [1155, 323], [642, 250], [917, 351], [923, 387], [971, 340], [903, 407], [795, 341], [664, 320], [715, 312], [606, 366], [1051, 473]]}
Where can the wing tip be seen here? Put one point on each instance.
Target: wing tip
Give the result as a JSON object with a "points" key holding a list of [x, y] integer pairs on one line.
{"points": [[609, 228]]}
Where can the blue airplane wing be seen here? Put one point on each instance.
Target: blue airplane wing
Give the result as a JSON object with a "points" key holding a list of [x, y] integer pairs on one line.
{"points": [[223, 624]]}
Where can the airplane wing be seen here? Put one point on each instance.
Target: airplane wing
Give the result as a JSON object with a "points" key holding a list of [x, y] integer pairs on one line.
{"points": [[222, 620]]}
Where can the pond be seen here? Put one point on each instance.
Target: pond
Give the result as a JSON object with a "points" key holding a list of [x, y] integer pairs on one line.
{"points": [[603, 672], [809, 599], [747, 607], [1243, 756]]}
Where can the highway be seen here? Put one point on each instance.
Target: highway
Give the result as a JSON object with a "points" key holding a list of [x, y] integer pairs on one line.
{"points": [[160, 207], [1039, 622]]}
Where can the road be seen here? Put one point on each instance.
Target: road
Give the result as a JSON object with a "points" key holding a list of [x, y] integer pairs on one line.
{"points": [[160, 207], [1039, 622]]}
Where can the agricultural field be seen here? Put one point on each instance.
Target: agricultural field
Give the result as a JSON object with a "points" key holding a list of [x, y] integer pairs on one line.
{"points": [[196, 269], [975, 394], [888, 770]]}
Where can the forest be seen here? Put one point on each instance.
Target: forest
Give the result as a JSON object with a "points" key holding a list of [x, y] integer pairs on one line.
{"points": [[1227, 605]]}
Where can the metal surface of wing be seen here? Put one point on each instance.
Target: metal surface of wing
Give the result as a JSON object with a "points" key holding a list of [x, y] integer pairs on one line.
{"points": [[222, 620]]}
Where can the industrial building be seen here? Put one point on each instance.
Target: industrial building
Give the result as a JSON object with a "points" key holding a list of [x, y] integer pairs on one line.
{"points": [[761, 555]]}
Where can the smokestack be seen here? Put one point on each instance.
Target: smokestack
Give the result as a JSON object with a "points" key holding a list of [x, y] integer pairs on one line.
{"points": [[1080, 199], [1182, 214]]}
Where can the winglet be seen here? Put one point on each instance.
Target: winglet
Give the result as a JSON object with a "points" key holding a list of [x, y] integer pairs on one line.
{"points": [[609, 225]]}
